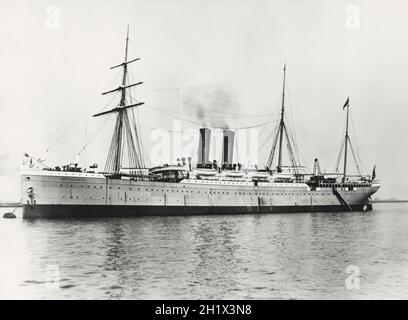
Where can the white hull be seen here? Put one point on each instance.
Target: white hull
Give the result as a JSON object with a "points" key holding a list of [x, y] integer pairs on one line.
{"points": [[45, 189]]}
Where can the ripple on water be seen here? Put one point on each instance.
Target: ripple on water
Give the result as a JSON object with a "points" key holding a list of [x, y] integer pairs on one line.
{"points": [[277, 256]]}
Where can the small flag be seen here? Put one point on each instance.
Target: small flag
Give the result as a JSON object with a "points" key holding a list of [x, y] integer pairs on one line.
{"points": [[347, 103], [373, 175]]}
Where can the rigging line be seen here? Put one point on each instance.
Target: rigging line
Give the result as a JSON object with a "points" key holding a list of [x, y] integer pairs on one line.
{"points": [[235, 115], [173, 131], [78, 106], [291, 155], [271, 156], [132, 153], [294, 138], [186, 87], [114, 96], [262, 147], [136, 123], [113, 150], [206, 108], [138, 141], [190, 130], [335, 139], [340, 153], [354, 157], [264, 127], [91, 138], [266, 139], [299, 155], [332, 153], [200, 124], [67, 128], [206, 116], [356, 144], [62, 133]]}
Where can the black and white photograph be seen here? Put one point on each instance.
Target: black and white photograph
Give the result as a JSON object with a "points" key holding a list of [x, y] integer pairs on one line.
{"points": [[211, 150]]}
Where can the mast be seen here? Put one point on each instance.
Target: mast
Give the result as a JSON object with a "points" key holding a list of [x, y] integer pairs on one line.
{"points": [[282, 130], [282, 123], [123, 94], [346, 141], [123, 127]]}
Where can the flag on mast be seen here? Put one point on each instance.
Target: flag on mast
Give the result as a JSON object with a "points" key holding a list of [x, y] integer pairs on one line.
{"points": [[347, 103]]}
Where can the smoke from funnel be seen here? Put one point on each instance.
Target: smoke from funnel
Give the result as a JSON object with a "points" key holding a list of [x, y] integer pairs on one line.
{"points": [[211, 106]]}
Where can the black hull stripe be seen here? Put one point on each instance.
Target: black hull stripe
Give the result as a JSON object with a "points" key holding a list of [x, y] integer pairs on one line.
{"points": [[64, 211]]}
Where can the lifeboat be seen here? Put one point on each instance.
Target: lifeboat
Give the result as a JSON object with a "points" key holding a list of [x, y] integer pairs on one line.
{"points": [[233, 174], [205, 173]]}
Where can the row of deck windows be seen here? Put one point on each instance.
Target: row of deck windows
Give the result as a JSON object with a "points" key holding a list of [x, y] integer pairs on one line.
{"points": [[138, 199], [223, 193], [236, 193]]}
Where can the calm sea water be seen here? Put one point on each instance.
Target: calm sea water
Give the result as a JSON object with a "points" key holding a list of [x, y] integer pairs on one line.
{"points": [[276, 256]]}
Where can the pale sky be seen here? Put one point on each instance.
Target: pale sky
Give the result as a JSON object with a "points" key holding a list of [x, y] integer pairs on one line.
{"points": [[55, 58]]}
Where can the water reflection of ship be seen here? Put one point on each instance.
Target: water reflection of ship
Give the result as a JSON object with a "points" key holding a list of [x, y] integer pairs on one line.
{"points": [[127, 188], [116, 259]]}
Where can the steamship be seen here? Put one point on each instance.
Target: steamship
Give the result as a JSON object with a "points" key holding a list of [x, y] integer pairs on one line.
{"points": [[189, 187]]}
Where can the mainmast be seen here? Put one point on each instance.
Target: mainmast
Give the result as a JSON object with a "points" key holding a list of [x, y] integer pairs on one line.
{"points": [[123, 128], [282, 130], [346, 140], [282, 123]]}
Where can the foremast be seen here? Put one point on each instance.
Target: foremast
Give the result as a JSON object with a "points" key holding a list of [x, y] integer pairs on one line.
{"points": [[124, 131]]}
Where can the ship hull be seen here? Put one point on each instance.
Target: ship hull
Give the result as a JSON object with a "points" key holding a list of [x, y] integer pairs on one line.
{"points": [[64, 194], [87, 211]]}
